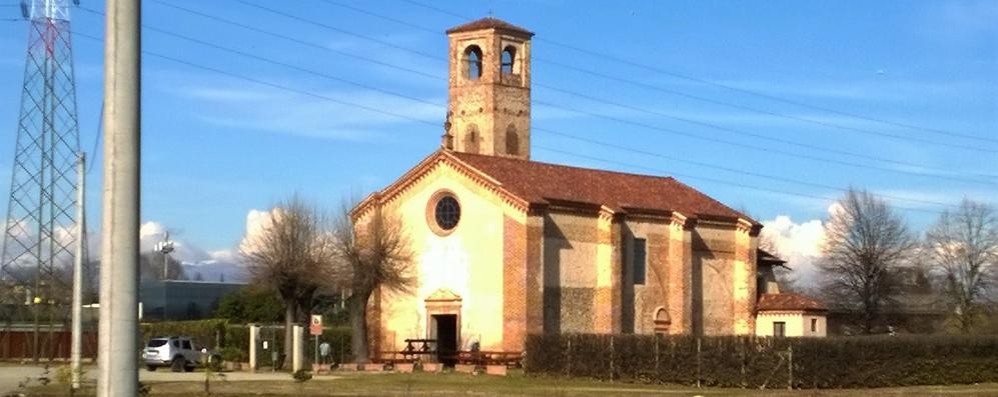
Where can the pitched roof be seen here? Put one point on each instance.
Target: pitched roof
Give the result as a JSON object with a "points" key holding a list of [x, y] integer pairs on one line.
{"points": [[766, 258], [489, 23], [542, 183], [788, 302]]}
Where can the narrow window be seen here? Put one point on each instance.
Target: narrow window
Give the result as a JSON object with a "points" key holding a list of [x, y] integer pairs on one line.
{"points": [[512, 141], [640, 260], [814, 325], [473, 57], [779, 329], [508, 57]]}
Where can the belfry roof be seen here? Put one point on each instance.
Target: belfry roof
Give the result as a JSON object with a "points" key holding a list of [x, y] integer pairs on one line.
{"points": [[543, 183], [489, 23]]}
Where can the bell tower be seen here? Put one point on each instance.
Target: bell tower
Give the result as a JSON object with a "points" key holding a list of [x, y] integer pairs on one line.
{"points": [[489, 103]]}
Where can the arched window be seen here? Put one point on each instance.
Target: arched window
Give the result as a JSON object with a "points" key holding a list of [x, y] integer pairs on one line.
{"points": [[473, 59], [512, 141], [471, 140], [508, 57]]}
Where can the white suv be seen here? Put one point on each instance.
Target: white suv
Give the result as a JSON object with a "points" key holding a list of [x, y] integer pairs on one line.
{"points": [[176, 352]]}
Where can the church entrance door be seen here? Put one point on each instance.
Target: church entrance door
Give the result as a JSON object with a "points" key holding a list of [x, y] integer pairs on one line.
{"points": [[445, 326]]}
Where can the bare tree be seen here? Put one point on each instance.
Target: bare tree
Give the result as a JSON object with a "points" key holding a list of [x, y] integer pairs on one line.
{"points": [[289, 256], [963, 246], [374, 254], [865, 242]]}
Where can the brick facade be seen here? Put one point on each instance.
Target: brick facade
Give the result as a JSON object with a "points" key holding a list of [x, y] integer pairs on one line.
{"points": [[548, 248]]}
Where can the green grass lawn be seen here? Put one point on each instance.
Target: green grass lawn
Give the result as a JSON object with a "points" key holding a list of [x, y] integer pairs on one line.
{"points": [[453, 384]]}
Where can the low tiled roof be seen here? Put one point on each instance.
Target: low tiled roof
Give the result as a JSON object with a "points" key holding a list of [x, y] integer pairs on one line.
{"points": [[542, 183], [788, 302], [489, 23], [765, 258]]}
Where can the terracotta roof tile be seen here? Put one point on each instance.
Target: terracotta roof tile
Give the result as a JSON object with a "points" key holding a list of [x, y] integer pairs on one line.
{"points": [[542, 183], [788, 302], [489, 23]]}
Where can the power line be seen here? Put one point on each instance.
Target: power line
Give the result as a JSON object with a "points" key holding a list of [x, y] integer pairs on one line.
{"points": [[729, 169], [743, 132], [713, 180], [756, 147], [353, 104], [272, 85], [100, 130], [726, 86], [762, 111], [421, 100], [298, 41], [768, 150]]}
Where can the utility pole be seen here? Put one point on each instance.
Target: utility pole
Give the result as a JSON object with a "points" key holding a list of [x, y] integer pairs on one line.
{"points": [[118, 374], [77, 336]]}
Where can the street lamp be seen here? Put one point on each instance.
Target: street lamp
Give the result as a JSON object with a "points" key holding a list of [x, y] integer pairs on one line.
{"points": [[165, 247]]}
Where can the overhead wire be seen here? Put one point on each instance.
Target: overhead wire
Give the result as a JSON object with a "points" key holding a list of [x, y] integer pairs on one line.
{"points": [[684, 119], [394, 114], [682, 76]]}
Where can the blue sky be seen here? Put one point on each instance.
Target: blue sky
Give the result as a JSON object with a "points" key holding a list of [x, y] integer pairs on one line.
{"points": [[217, 147]]}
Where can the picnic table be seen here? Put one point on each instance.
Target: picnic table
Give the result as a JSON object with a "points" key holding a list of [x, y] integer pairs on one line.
{"points": [[424, 345], [415, 349]]}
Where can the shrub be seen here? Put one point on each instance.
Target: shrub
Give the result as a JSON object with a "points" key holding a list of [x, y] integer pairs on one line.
{"points": [[301, 375], [750, 361], [233, 354]]}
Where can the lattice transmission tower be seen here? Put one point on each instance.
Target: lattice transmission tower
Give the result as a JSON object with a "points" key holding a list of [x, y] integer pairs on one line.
{"points": [[39, 232]]}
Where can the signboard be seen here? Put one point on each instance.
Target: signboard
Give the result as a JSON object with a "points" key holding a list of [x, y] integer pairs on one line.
{"points": [[315, 326]]}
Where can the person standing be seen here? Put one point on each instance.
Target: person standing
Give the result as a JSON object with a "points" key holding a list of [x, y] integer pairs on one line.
{"points": [[324, 352]]}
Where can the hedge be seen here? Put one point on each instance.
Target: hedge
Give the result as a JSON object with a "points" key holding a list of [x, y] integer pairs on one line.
{"points": [[731, 361]]}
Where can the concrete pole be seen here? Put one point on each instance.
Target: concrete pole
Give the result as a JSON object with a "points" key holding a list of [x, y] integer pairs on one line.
{"points": [[254, 331], [119, 348], [76, 343], [297, 349]]}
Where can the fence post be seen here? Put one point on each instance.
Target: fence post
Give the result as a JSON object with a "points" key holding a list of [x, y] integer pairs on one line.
{"points": [[790, 367], [743, 344], [611, 358], [254, 336], [657, 338], [698, 362], [568, 363]]}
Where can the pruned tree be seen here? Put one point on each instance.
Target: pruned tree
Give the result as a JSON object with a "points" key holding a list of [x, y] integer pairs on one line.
{"points": [[289, 256], [373, 254], [865, 242], [963, 247]]}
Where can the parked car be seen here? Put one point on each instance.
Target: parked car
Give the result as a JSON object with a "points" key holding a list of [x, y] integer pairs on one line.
{"points": [[176, 352]]}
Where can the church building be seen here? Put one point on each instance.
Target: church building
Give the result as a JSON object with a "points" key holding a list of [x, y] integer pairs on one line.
{"points": [[505, 246]]}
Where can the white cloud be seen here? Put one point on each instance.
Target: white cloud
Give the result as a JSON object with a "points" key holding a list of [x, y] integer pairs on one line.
{"points": [[256, 222], [799, 244], [151, 233]]}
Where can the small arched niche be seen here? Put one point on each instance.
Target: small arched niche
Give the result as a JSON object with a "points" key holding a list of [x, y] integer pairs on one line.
{"points": [[512, 141], [661, 320], [471, 139]]}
